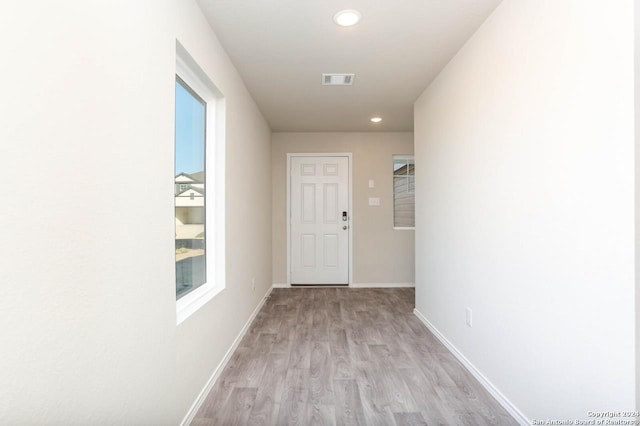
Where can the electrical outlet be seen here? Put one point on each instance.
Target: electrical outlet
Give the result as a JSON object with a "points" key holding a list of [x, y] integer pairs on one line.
{"points": [[253, 283], [469, 317]]}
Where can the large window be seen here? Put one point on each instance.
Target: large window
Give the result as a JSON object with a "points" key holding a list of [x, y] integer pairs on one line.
{"points": [[404, 188], [199, 190], [190, 131]]}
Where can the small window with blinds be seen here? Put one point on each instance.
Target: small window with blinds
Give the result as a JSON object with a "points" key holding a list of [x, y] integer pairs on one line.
{"points": [[404, 188]]}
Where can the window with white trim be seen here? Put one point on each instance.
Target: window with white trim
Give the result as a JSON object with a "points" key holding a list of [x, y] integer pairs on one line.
{"points": [[199, 205], [404, 188]]}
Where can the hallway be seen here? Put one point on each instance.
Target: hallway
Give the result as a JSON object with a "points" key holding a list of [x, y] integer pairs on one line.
{"points": [[520, 118], [345, 356]]}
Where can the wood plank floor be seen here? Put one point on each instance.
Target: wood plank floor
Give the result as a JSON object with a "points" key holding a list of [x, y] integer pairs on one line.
{"points": [[344, 356]]}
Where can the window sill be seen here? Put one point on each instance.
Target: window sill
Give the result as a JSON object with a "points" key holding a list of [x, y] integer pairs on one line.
{"points": [[190, 303], [404, 228]]}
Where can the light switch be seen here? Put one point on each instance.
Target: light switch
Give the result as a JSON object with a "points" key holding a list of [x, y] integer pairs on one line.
{"points": [[374, 201], [372, 183]]}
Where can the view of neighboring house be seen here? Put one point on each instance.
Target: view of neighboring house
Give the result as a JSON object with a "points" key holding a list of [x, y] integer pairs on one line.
{"points": [[189, 193], [190, 242], [185, 181]]}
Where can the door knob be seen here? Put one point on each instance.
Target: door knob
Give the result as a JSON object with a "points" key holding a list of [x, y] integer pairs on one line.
{"points": [[344, 227]]}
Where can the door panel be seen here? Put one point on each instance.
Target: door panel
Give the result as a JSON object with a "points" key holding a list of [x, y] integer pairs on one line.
{"points": [[308, 251], [308, 203], [319, 237], [330, 203], [331, 250]]}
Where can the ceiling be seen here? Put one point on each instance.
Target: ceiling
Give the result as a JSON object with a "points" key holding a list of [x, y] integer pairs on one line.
{"points": [[282, 47]]}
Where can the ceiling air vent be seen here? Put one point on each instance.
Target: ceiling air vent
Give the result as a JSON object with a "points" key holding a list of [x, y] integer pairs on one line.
{"points": [[337, 79]]}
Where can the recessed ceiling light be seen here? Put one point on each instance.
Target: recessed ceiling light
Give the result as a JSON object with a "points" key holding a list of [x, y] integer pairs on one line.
{"points": [[347, 18], [337, 79], [376, 119]]}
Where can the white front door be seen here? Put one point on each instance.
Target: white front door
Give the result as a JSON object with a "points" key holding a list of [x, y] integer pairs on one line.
{"points": [[320, 217]]}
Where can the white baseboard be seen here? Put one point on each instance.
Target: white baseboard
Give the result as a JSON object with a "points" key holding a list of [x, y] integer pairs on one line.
{"points": [[381, 285], [216, 373], [506, 404], [358, 285]]}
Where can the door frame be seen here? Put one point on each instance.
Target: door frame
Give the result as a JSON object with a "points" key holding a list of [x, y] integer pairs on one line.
{"points": [[290, 155]]}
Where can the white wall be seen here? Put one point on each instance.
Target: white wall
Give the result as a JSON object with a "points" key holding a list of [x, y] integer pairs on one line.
{"points": [[88, 308], [381, 254], [525, 205]]}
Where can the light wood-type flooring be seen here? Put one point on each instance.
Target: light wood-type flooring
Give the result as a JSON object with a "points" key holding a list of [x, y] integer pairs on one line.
{"points": [[344, 356]]}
